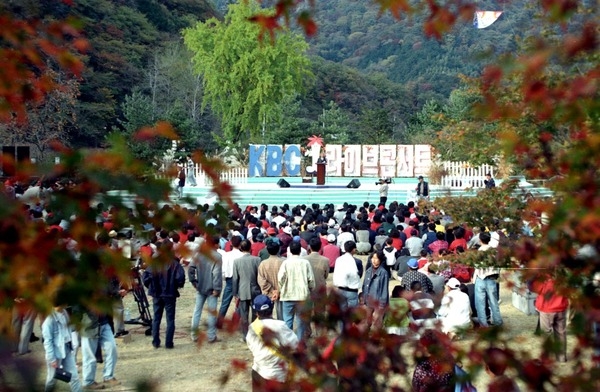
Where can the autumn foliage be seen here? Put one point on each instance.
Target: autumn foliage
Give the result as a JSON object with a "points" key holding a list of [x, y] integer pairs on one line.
{"points": [[555, 85]]}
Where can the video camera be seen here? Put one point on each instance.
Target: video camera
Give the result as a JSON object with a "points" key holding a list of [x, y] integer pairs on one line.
{"points": [[385, 180]]}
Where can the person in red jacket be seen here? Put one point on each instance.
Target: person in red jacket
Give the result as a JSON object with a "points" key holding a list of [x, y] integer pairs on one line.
{"points": [[553, 313]]}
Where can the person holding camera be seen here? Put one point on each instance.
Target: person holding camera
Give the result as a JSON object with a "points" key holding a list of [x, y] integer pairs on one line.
{"points": [[58, 349], [383, 190]]}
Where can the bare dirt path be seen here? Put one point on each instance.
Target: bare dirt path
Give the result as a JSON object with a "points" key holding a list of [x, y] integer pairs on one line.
{"points": [[191, 367]]}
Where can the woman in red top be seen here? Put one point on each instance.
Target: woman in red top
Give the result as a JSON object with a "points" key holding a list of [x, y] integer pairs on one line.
{"points": [[553, 313]]}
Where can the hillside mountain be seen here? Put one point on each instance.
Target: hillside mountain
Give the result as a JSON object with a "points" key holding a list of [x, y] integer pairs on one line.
{"points": [[354, 33], [123, 37]]}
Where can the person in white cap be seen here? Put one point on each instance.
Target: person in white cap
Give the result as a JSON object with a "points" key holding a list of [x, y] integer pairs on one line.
{"points": [[331, 251], [455, 311]]}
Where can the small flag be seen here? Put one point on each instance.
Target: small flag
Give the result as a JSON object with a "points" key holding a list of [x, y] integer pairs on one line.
{"points": [[485, 19]]}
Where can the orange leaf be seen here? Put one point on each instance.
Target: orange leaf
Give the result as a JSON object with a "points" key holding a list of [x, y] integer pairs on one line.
{"points": [[396, 7]]}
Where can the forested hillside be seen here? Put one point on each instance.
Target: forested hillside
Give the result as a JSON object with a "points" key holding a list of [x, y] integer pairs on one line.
{"points": [[372, 73], [123, 37], [355, 34]]}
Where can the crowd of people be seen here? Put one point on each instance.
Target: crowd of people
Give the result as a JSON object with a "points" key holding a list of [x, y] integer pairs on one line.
{"points": [[274, 265]]}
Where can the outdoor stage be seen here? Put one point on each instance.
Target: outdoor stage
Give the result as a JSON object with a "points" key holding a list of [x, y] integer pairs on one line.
{"points": [[266, 190]]}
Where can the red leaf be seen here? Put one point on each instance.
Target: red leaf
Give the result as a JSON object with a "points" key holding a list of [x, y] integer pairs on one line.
{"points": [[266, 23]]}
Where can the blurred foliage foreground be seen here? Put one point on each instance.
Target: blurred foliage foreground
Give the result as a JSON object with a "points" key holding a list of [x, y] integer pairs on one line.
{"points": [[554, 87]]}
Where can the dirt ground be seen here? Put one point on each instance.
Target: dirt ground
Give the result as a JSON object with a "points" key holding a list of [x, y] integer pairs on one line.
{"points": [[189, 367]]}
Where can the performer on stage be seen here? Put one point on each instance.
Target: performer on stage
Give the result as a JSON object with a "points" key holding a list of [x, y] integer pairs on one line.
{"points": [[190, 171], [322, 158]]}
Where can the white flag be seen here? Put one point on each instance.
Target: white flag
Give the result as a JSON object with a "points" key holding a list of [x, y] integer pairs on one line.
{"points": [[485, 19]]}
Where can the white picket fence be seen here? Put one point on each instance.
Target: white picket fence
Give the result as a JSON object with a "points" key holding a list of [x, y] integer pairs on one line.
{"points": [[464, 175], [234, 175]]}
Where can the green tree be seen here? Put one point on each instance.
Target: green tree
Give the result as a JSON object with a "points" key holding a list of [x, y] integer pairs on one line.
{"points": [[334, 125], [245, 79], [293, 125], [376, 127], [169, 92]]}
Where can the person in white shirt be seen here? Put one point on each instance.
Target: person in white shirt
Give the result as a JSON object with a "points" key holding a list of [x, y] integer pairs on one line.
{"points": [[346, 278], [455, 311], [487, 288], [227, 269], [270, 342]]}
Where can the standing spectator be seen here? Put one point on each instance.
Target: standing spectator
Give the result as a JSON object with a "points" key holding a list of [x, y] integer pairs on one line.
{"points": [[163, 285], [383, 190], [319, 264], [331, 251], [553, 313], [180, 181], [205, 274], [375, 291], [296, 280], [23, 319], [486, 289], [346, 277], [96, 331], [455, 312], [320, 267], [228, 262], [59, 349], [489, 181], [245, 284], [267, 276], [269, 340], [191, 167], [422, 189]]}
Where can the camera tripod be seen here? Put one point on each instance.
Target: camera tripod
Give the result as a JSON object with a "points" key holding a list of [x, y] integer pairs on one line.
{"points": [[139, 295]]}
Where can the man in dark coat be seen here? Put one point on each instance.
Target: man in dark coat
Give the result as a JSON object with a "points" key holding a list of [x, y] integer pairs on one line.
{"points": [[163, 283], [422, 188], [245, 284]]}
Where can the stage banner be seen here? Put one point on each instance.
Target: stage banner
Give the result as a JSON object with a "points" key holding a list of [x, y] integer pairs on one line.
{"points": [[335, 161], [370, 161], [386, 160], [352, 160], [406, 161], [292, 159], [422, 159]]}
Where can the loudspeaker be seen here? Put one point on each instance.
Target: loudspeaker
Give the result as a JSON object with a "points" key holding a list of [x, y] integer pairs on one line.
{"points": [[283, 183], [353, 184]]}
